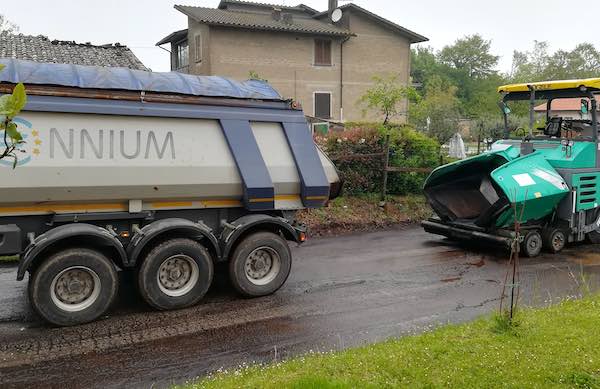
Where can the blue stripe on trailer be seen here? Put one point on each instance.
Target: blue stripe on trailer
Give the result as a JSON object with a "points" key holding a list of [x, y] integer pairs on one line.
{"points": [[138, 108], [314, 183], [259, 194]]}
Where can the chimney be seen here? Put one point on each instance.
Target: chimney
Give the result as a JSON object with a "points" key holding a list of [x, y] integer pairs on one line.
{"points": [[276, 13], [333, 4]]}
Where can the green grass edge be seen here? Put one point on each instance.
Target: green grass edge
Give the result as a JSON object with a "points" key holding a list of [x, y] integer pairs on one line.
{"points": [[558, 346]]}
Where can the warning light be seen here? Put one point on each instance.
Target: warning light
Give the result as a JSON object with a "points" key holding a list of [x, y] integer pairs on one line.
{"points": [[302, 237]]}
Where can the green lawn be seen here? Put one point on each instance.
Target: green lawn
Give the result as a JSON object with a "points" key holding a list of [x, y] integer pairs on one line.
{"points": [[555, 347], [9, 259]]}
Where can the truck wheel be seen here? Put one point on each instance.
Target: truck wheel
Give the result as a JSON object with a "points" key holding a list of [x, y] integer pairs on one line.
{"points": [[532, 244], [74, 286], [175, 274], [554, 240], [260, 264]]}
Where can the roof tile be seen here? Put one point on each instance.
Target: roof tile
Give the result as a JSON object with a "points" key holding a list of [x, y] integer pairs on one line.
{"points": [[260, 21], [41, 49]]}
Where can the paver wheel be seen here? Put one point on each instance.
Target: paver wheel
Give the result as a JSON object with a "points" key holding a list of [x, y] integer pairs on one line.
{"points": [[554, 240], [175, 274], [73, 286], [532, 244], [260, 264]]}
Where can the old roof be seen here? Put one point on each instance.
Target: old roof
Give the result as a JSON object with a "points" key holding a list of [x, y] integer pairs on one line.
{"points": [[259, 21], [300, 7], [42, 49], [413, 36]]}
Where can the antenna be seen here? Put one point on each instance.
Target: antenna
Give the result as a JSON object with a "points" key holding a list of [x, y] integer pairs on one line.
{"points": [[336, 15]]}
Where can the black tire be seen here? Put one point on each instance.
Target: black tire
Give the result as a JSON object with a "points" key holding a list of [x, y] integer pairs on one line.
{"points": [[263, 247], [76, 268], [183, 280], [532, 244], [594, 237], [554, 240]]}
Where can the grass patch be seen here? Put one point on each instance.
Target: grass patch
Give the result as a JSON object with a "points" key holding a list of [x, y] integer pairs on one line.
{"points": [[361, 213], [554, 347]]}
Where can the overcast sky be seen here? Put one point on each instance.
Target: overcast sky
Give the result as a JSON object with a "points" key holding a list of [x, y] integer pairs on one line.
{"points": [[139, 24]]}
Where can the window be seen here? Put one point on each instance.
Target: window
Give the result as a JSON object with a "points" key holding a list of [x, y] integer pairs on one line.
{"points": [[322, 52], [323, 105], [182, 51], [198, 48]]}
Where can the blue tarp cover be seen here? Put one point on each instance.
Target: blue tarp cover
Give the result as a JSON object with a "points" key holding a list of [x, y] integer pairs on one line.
{"points": [[96, 77]]}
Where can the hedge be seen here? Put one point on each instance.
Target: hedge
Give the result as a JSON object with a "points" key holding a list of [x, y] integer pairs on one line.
{"points": [[408, 148]]}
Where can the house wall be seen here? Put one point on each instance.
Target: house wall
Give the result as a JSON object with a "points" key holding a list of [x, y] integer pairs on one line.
{"points": [[284, 59], [376, 50], [203, 66]]}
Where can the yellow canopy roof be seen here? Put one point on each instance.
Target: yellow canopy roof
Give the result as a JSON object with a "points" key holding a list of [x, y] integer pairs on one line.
{"points": [[591, 83]]}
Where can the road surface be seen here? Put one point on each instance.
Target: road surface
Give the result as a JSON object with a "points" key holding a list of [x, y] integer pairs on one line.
{"points": [[343, 292]]}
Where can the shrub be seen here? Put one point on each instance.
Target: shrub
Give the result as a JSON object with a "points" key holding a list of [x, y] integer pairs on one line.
{"points": [[360, 175], [408, 148]]}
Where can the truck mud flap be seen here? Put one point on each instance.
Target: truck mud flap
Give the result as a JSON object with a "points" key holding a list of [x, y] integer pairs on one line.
{"points": [[449, 231]]}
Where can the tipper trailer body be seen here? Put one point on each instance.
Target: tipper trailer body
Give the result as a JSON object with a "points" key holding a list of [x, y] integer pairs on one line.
{"points": [[163, 174]]}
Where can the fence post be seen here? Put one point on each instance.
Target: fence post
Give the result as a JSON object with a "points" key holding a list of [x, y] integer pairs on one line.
{"points": [[386, 162]]}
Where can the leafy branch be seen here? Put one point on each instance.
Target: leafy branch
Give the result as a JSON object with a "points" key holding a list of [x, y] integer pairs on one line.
{"points": [[10, 106], [387, 97]]}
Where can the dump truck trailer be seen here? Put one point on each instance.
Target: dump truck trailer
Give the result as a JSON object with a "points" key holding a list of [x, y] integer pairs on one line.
{"points": [[162, 174], [544, 183]]}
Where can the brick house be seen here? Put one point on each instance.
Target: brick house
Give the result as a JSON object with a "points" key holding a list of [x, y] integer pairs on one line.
{"points": [[325, 65], [41, 49]]}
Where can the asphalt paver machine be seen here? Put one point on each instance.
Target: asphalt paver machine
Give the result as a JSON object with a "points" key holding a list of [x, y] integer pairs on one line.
{"points": [[547, 180]]}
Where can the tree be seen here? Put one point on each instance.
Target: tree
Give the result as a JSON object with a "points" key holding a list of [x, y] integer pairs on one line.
{"points": [[386, 96], [437, 113], [8, 26], [10, 106], [471, 54], [467, 65], [539, 65]]}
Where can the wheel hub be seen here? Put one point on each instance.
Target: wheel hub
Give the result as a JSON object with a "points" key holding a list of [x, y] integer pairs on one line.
{"points": [[75, 289], [259, 264], [557, 241], [262, 265], [74, 286], [177, 275]]}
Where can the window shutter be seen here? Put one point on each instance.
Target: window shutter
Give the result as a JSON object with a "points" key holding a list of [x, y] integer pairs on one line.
{"points": [[322, 52], [326, 52]]}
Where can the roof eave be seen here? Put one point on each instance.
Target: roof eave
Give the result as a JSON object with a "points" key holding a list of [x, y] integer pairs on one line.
{"points": [[266, 28], [170, 38]]}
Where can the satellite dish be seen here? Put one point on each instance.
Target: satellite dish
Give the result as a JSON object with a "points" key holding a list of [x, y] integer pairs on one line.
{"points": [[336, 15]]}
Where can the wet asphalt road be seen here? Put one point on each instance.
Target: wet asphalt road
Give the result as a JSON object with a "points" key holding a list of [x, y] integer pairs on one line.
{"points": [[343, 292]]}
